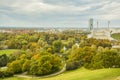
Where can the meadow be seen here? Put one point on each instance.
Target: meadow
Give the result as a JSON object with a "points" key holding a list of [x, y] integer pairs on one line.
{"points": [[7, 51], [116, 36], [80, 74]]}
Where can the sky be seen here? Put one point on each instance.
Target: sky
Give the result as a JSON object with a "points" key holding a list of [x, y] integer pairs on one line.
{"points": [[59, 13]]}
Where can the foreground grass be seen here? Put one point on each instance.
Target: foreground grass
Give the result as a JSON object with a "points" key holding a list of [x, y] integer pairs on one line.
{"points": [[7, 51], [80, 74]]}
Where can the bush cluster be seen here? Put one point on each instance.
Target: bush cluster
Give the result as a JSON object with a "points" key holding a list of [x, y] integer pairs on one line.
{"points": [[94, 58], [6, 74]]}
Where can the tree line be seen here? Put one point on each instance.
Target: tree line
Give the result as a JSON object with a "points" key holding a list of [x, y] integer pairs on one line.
{"points": [[43, 53]]}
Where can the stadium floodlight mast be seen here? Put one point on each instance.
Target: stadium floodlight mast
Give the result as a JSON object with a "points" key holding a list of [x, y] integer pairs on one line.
{"points": [[108, 24], [97, 24]]}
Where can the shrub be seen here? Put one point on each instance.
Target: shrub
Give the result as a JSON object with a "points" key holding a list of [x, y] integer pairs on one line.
{"points": [[3, 60], [6, 74], [71, 65]]}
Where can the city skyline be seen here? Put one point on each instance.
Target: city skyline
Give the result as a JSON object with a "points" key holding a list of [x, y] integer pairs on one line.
{"points": [[62, 13]]}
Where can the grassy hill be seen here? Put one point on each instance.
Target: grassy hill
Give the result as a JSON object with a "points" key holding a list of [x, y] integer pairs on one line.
{"points": [[81, 74], [116, 36], [7, 51]]}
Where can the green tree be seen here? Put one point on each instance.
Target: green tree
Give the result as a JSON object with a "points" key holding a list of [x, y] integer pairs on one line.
{"points": [[15, 66], [26, 66], [107, 58], [57, 45], [3, 60], [45, 64]]}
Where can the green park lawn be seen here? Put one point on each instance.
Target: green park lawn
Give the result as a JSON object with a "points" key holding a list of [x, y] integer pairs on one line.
{"points": [[7, 51], [116, 36], [80, 74]]}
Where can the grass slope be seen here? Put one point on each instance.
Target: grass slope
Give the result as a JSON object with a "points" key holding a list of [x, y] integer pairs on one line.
{"points": [[7, 51], [81, 74], [116, 36]]}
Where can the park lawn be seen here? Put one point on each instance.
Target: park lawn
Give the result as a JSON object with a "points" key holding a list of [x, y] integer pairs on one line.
{"points": [[81, 74], [116, 36], [7, 51], [13, 78]]}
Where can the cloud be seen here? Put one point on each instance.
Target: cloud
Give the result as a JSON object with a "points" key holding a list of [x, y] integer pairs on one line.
{"points": [[58, 12], [40, 7], [109, 11]]}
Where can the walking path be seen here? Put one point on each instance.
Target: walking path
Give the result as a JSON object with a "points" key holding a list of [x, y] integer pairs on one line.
{"points": [[54, 74], [118, 78]]}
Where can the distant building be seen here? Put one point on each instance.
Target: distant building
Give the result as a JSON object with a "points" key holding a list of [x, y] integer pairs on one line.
{"points": [[90, 24], [100, 34], [116, 46]]}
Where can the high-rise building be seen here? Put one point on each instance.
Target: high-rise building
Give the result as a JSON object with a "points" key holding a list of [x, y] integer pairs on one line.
{"points": [[90, 24]]}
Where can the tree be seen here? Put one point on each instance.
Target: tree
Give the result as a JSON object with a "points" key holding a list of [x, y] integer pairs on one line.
{"points": [[3, 60], [82, 56], [107, 58], [45, 64], [15, 66], [41, 43], [57, 45], [71, 41], [26, 65]]}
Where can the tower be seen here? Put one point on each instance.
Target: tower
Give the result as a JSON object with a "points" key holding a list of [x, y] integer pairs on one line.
{"points": [[108, 24], [97, 24], [90, 24]]}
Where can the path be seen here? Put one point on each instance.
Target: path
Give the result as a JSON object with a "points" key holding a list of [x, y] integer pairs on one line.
{"points": [[118, 78], [54, 74]]}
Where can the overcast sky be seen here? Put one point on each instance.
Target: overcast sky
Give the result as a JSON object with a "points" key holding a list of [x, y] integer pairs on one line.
{"points": [[59, 13]]}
